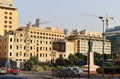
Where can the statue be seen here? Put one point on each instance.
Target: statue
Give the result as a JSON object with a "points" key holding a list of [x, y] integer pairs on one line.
{"points": [[90, 59], [90, 43]]}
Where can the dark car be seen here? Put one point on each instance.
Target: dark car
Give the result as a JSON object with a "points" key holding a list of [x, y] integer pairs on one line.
{"points": [[12, 77]]}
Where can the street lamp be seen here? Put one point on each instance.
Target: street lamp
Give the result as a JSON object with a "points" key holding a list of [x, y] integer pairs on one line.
{"points": [[103, 34]]}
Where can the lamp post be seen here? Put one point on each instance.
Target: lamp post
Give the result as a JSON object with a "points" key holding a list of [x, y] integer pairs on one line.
{"points": [[103, 34], [53, 63]]}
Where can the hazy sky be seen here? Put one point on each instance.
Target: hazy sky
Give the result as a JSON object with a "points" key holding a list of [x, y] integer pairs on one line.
{"points": [[67, 13]]}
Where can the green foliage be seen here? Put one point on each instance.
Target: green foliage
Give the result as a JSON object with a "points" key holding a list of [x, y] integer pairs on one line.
{"points": [[31, 62], [79, 55], [45, 67], [37, 68], [72, 59], [97, 57], [60, 67], [99, 70], [107, 56], [109, 64], [111, 70], [48, 64], [61, 61]]}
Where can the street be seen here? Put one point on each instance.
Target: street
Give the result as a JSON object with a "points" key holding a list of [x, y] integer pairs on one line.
{"points": [[32, 76]]}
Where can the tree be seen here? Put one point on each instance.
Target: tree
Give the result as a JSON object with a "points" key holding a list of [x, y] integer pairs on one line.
{"points": [[31, 62], [97, 57], [107, 56], [81, 59], [61, 61], [73, 59]]}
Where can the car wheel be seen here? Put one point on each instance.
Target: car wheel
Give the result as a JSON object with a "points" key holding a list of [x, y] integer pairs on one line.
{"points": [[73, 74]]}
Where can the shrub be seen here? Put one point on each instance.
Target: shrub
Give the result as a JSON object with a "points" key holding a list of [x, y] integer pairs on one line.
{"points": [[99, 70], [60, 67], [111, 70], [37, 68], [46, 67], [109, 64]]}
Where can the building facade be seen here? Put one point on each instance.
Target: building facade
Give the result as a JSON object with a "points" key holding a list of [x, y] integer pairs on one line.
{"points": [[29, 41], [113, 34], [81, 42], [8, 16], [63, 48]]}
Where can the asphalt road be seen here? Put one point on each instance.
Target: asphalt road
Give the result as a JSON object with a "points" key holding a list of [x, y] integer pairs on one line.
{"points": [[32, 76]]}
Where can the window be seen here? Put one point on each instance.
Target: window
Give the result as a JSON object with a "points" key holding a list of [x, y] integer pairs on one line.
{"points": [[20, 59], [10, 26], [17, 54], [21, 35], [50, 48], [10, 22], [5, 17], [5, 21], [46, 42], [17, 47], [10, 39], [5, 26], [10, 13], [10, 17], [10, 54], [40, 55], [6, 12], [40, 48], [37, 54], [24, 54], [24, 47], [10, 46], [40, 42], [37, 49], [30, 47]]}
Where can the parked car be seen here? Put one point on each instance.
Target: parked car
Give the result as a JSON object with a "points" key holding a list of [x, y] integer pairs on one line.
{"points": [[2, 70], [69, 72], [12, 77], [12, 71]]}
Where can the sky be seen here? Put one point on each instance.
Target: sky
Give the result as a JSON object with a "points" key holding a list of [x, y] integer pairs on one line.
{"points": [[67, 14]]}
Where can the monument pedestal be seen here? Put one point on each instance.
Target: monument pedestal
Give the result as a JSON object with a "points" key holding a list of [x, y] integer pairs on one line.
{"points": [[92, 67]]}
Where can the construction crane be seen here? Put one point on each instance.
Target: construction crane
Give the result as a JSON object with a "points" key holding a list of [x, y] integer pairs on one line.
{"points": [[106, 18], [38, 22]]}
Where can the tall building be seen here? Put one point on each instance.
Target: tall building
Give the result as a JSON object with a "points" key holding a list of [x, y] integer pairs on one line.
{"points": [[81, 42], [113, 34], [8, 16], [29, 41]]}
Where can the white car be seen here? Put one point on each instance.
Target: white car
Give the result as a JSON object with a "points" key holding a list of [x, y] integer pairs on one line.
{"points": [[2, 70], [79, 70]]}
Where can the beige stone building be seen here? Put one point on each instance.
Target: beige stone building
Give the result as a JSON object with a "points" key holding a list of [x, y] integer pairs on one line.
{"points": [[81, 42], [8, 16], [63, 48], [29, 41]]}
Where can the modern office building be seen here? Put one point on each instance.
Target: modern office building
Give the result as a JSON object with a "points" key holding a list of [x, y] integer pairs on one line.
{"points": [[81, 42], [8, 16], [113, 34]]}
